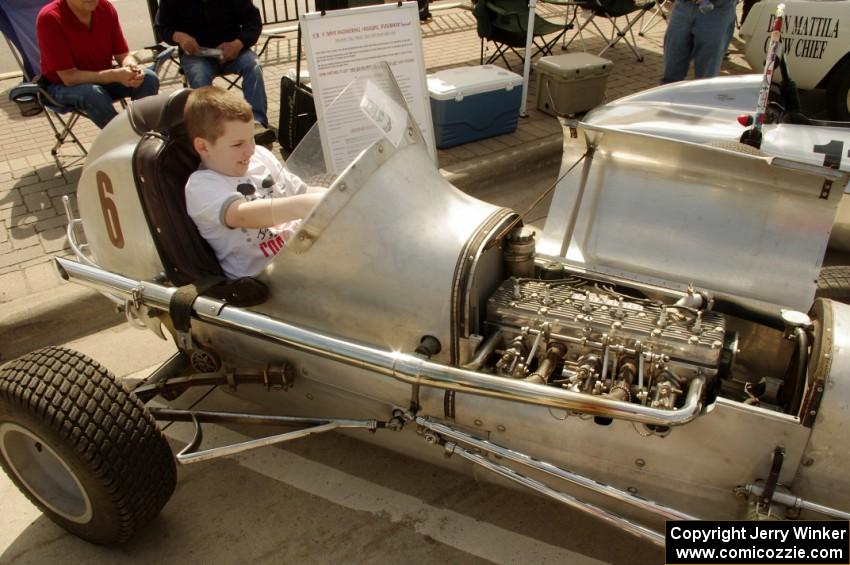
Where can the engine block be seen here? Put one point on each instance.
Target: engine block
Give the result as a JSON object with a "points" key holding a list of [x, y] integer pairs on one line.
{"points": [[590, 319]]}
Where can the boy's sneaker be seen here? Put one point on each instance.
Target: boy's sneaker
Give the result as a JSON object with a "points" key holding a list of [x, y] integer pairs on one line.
{"points": [[263, 135]]}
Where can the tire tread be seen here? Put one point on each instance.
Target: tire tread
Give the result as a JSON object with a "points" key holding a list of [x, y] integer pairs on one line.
{"points": [[105, 425]]}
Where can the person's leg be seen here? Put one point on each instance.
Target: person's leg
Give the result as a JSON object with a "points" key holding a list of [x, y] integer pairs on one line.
{"points": [[92, 99], [252, 82], [200, 71], [678, 41], [712, 33]]}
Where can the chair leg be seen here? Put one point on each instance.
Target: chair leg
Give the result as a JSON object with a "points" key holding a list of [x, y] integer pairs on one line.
{"points": [[231, 83], [263, 48], [628, 28], [545, 47], [499, 54], [66, 132], [658, 15], [578, 34]]}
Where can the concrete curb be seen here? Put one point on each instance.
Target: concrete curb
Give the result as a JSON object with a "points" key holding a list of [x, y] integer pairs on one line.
{"points": [[70, 311], [509, 162], [52, 317]]}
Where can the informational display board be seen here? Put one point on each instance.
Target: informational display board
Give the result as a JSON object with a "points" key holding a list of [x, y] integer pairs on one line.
{"points": [[341, 46]]}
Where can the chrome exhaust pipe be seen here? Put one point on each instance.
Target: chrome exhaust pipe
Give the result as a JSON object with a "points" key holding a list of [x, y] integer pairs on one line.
{"points": [[406, 368]]}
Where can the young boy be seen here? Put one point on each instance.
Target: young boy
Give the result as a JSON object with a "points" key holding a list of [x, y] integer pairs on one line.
{"points": [[244, 202]]}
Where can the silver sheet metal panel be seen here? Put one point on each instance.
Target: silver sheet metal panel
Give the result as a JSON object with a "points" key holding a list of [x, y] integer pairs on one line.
{"points": [[377, 257], [665, 211], [827, 459], [698, 110]]}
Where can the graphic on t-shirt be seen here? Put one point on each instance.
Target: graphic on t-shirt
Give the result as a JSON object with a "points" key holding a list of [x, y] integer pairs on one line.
{"points": [[271, 247], [242, 251], [247, 190]]}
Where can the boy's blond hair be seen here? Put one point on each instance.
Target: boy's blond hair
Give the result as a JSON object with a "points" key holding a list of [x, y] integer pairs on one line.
{"points": [[209, 107]]}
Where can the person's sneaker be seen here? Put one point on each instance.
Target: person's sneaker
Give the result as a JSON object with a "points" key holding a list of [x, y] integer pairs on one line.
{"points": [[264, 136]]}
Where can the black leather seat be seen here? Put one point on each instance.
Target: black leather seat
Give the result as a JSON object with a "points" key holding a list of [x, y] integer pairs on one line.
{"points": [[162, 162]]}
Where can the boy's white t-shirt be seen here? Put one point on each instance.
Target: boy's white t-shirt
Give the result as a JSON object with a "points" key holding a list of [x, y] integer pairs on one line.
{"points": [[242, 252]]}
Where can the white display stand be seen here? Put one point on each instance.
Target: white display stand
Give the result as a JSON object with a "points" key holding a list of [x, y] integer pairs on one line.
{"points": [[342, 45]]}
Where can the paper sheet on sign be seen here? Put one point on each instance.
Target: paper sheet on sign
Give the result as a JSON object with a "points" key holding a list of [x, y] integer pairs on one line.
{"points": [[341, 46], [383, 111]]}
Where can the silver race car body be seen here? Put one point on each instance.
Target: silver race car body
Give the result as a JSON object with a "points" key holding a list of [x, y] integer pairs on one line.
{"points": [[652, 355]]}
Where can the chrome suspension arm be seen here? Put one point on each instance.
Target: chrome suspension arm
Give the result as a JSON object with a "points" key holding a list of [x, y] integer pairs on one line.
{"points": [[600, 488], [191, 454]]}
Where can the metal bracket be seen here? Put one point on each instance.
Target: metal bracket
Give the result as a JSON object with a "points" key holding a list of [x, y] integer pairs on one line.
{"points": [[772, 480], [271, 376], [184, 341], [825, 189]]}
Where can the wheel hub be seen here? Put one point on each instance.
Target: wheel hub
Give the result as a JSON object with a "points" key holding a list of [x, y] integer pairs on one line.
{"points": [[45, 475]]}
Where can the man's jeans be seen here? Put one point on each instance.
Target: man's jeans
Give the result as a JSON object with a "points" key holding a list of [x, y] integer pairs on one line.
{"points": [[693, 35], [96, 100], [200, 71]]}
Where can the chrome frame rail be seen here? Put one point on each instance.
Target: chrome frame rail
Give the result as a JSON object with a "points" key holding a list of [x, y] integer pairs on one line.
{"points": [[795, 502], [410, 369], [79, 248]]}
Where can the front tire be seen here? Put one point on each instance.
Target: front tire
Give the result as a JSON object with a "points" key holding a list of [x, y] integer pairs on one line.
{"points": [[834, 283], [84, 450], [838, 93]]}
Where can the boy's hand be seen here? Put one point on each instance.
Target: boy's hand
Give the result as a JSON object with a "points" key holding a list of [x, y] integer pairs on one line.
{"points": [[187, 43], [230, 50]]}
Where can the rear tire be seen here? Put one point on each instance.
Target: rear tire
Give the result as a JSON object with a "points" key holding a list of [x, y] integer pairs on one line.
{"points": [[838, 93], [834, 283], [84, 450]]}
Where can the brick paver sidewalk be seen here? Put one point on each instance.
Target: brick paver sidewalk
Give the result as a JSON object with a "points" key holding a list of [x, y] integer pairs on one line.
{"points": [[32, 218]]}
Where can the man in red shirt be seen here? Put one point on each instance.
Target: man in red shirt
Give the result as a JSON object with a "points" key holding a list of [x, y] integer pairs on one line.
{"points": [[78, 40]]}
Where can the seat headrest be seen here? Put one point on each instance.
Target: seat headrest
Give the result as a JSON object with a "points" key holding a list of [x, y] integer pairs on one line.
{"points": [[161, 113]]}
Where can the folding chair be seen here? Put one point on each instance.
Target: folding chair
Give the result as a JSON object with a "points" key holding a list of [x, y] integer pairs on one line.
{"points": [[630, 10], [571, 9], [659, 13], [17, 22], [61, 118], [505, 24]]}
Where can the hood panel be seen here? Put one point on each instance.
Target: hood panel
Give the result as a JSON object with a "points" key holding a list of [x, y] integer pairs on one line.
{"points": [[673, 212], [699, 111]]}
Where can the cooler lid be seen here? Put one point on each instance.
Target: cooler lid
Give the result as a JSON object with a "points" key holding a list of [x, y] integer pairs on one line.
{"points": [[455, 84], [573, 65]]}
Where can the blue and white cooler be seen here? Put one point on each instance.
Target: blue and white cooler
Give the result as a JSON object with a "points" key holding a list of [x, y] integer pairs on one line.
{"points": [[470, 103]]}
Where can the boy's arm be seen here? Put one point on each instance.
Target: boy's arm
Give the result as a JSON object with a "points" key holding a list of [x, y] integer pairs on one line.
{"points": [[266, 213]]}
